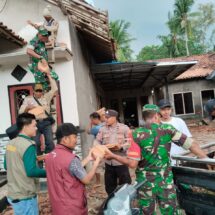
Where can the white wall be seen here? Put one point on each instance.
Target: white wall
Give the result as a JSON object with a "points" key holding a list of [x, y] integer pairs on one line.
{"points": [[85, 86], [5, 80], [15, 15], [17, 12]]}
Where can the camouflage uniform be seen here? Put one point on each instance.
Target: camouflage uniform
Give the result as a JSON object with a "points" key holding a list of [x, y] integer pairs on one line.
{"points": [[155, 142], [40, 77]]}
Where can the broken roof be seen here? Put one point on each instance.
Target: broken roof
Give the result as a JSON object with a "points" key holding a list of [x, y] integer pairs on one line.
{"points": [[138, 75], [10, 35], [92, 24], [204, 67]]}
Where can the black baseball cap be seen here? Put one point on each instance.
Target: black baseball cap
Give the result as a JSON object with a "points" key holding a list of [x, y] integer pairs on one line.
{"points": [[111, 113], [163, 103], [66, 129]]}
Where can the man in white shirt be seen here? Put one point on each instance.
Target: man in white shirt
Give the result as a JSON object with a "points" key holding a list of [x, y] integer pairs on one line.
{"points": [[165, 112]]}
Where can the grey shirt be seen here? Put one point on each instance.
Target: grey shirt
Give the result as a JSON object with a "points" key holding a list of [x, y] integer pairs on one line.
{"points": [[76, 169]]}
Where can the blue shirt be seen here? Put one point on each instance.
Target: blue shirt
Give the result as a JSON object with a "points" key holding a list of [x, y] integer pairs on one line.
{"points": [[95, 129]]}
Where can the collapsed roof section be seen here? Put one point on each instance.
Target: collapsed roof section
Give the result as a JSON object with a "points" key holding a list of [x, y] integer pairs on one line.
{"points": [[93, 26]]}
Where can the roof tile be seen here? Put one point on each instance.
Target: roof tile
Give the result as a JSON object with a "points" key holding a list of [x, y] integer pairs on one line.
{"points": [[11, 35]]}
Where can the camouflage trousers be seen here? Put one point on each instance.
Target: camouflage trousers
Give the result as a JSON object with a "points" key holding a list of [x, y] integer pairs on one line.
{"points": [[40, 77], [158, 190]]}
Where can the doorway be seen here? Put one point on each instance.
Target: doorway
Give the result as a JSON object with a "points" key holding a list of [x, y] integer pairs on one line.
{"points": [[130, 112], [205, 96]]}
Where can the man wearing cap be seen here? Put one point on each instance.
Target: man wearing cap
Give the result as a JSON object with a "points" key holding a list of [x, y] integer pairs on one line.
{"points": [[38, 53], [30, 104], [155, 140], [166, 118], [66, 175], [50, 24], [117, 133]]}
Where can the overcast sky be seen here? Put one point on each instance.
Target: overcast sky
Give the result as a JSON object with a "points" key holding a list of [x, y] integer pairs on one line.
{"points": [[147, 17]]}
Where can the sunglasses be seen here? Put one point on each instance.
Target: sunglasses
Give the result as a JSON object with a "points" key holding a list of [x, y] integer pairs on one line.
{"points": [[39, 91]]}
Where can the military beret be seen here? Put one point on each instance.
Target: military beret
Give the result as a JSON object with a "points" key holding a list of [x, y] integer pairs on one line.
{"points": [[151, 107]]}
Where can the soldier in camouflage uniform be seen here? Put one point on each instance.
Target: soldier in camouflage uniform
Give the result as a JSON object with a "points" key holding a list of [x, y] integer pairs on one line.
{"points": [[37, 50], [155, 140]]}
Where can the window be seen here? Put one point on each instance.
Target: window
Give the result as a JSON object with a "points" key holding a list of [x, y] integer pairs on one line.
{"points": [[183, 103]]}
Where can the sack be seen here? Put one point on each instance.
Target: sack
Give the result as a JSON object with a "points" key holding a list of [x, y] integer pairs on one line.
{"points": [[12, 131]]}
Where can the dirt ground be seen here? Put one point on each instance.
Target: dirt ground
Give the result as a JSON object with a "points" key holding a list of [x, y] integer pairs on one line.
{"points": [[96, 194], [203, 134]]}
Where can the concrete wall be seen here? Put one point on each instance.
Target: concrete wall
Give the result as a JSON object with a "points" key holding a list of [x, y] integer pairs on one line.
{"points": [[64, 68], [194, 86], [16, 13], [85, 86]]}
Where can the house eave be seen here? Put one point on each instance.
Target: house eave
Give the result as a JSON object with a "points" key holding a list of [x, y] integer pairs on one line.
{"points": [[22, 57]]}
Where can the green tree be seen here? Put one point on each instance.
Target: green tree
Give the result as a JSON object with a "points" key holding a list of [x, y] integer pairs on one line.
{"points": [[119, 32], [183, 16], [174, 34], [152, 52], [212, 39], [204, 20]]}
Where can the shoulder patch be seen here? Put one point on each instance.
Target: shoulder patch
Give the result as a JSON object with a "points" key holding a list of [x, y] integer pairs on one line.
{"points": [[11, 148]]}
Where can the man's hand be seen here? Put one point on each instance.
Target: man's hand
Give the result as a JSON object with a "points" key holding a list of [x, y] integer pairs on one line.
{"points": [[90, 156], [43, 66], [108, 154], [97, 161], [32, 24], [117, 147]]}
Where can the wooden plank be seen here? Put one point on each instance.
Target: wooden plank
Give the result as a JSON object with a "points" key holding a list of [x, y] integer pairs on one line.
{"points": [[87, 6], [87, 17], [71, 6], [88, 20], [83, 25], [93, 32]]}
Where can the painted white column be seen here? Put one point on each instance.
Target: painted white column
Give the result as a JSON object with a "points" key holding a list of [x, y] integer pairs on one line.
{"points": [[150, 99]]}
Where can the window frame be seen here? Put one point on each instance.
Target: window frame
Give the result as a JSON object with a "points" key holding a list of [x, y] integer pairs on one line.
{"points": [[184, 114]]}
